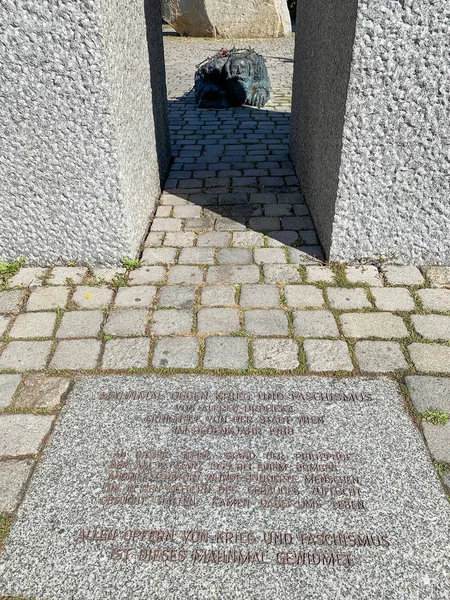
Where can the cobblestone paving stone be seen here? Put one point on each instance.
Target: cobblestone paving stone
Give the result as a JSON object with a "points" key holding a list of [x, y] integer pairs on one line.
{"points": [[232, 280]]}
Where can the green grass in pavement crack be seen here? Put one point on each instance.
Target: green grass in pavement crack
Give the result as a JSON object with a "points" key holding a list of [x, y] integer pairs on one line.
{"points": [[435, 416]]}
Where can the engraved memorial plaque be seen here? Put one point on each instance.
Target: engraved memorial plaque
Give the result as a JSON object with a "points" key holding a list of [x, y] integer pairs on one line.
{"points": [[254, 488]]}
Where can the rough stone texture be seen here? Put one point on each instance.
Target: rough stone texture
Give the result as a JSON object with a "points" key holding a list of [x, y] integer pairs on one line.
{"points": [[146, 275], [266, 322], [136, 297], [176, 353], [168, 322], [59, 275], [380, 357], [218, 295], [347, 298], [44, 559], [435, 299], [76, 354], [82, 136], [438, 440], [218, 18], [315, 323], [4, 322], [393, 299], [41, 391], [280, 354], [80, 324], [301, 296], [281, 273], [154, 256], [259, 294], [381, 325], [25, 356], [314, 274], [92, 297], [126, 353], [327, 355], [430, 358], [21, 435], [13, 477], [196, 256], [226, 353], [28, 276], [32, 325], [234, 256], [363, 274], [8, 386], [218, 320], [184, 274], [177, 296], [433, 327], [438, 276], [403, 275], [106, 275], [11, 301], [233, 274], [126, 322], [429, 392], [382, 70], [48, 298]]}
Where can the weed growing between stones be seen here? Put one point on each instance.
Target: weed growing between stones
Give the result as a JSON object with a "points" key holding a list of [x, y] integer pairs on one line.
{"points": [[435, 416]]}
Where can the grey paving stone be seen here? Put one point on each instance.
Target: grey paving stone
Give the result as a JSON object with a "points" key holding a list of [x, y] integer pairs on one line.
{"points": [[173, 199], [177, 296], [264, 223], [263, 198], [167, 224], [76, 354], [435, 299], [179, 239], [281, 274], [429, 392], [91, 297], [197, 256], [275, 353], [27, 277], [126, 353], [430, 358], [276, 239], [314, 274], [218, 320], [226, 224], [187, 212], [8, 386], [214, 239], [278, 210], [364, 274], [432, 327], [146, 275], [185, 274], [302, 296], [22, 435], [234, 256], [42, 391], [259, 294], [170, 321], [233, 274], [270, 256], [381, 325], [163, 211], [327, 355], [403, 275], [176, 353], [107, 275], [13, 477], [4, 323], [380, 357], [438, 276], [315, 323], [126, 322], [138, 297], [304, 255], [247, 239], [154, 256], [218, 295], [297, 223], [347, 298], [438, 440], [60, 275], [201, 225], [80, 324], [397, 298], [266, 322], [155, 238], [226, 353], [25, 356], [47, 298], [33, 325]]}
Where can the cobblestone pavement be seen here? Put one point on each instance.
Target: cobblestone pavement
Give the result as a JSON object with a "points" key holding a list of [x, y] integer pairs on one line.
{"points": [[232, 281]]}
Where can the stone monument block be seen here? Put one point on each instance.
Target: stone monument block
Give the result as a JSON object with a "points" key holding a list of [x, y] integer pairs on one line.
{"points": [[83, 128], [222, 18], [192, 487], [370, 131]]}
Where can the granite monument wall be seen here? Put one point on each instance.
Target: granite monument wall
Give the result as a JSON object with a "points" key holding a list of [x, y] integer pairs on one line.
{"points": [[370, 134], [83, 128]]}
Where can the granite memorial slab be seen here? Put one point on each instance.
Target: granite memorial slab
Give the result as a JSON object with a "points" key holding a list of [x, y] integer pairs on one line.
{"points": [[256, 488]]}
